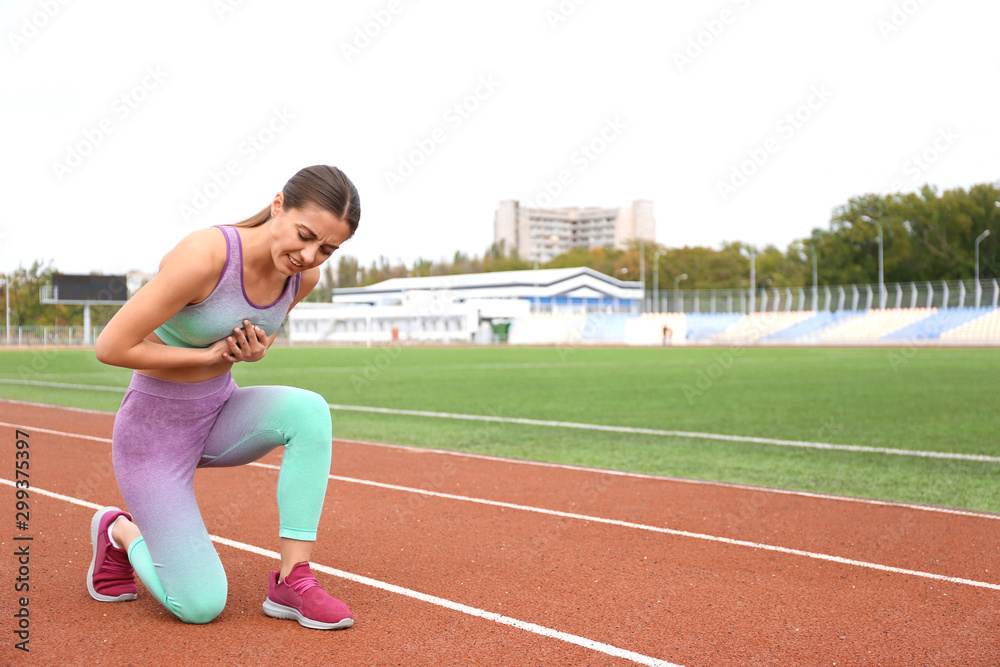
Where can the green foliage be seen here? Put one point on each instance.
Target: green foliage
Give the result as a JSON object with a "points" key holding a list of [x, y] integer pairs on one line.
{"points": [[928, 236], [27, 309]]}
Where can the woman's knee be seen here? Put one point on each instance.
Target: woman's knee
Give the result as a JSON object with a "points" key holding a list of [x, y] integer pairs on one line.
{"points": [[201, 608], [308, 412]]}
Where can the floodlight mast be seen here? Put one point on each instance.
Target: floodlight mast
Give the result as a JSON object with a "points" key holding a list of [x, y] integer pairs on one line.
{"points": [[656, 278], [881, 274], [6, 297], [979, 288], [680, 298]]}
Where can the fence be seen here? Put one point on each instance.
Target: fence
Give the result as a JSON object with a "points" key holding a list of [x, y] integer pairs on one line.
{"points": [[66, 335], [835, 298], [34, 335]]}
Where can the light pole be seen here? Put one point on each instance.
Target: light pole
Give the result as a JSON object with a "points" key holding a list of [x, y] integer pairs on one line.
{"points": [[6, 305], [656, 278], [642, 274], [815, 302], [881, 275], [979, 289], [677, 282]]}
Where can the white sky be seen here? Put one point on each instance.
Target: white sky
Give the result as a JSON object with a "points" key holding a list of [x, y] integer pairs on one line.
{"points": [[888, 80]]}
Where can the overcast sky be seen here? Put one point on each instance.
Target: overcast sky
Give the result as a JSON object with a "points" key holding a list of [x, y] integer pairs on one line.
{"points": [[127, 125]]}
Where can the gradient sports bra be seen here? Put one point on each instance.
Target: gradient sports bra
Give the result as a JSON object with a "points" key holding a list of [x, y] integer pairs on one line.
{"points": [[201, 324]]}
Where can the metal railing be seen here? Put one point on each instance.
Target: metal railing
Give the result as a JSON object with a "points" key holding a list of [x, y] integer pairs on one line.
{"points": [[40, 335], [832, 298]]}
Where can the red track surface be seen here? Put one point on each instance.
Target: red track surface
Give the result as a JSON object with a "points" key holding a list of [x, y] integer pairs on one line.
{"points": [[682, 599]]}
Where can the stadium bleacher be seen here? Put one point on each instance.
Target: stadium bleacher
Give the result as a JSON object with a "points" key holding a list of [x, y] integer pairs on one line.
{"points": [[938, 323], [957, 325], [986, 327], [873, 324]]}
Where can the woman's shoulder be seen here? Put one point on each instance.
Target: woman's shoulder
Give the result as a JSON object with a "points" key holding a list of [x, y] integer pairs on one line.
{"points": [[202, 249]]}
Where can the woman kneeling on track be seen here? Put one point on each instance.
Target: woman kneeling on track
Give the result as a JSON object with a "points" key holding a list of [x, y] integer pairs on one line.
{"points": [[182, 333]]}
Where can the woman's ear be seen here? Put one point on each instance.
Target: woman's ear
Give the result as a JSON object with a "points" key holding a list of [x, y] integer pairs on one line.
{"points": [[279, 199]]}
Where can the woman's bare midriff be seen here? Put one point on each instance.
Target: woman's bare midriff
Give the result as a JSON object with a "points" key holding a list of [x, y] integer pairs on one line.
{"points": [[185, 373]]}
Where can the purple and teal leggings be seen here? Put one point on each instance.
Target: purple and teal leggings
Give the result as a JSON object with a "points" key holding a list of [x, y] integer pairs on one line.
{"points": [[165, 430]]}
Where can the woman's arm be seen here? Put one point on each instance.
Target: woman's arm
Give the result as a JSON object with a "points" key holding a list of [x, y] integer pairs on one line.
{"points": [[188, 273]]}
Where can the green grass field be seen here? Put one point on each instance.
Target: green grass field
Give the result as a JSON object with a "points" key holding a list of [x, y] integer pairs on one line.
{"points": [[934, 400]]}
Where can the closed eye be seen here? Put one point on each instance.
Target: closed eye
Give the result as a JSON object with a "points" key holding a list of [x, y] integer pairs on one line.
{"points": [[309, 236]]}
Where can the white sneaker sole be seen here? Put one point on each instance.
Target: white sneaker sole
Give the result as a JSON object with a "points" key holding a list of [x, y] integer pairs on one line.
{"points": [[95, 525], [275, 610]]}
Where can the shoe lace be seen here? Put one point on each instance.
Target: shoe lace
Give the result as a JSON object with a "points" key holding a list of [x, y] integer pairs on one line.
{"points": [[303, 583]]}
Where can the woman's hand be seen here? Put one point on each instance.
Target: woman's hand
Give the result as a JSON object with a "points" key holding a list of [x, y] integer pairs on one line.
{"points": [[246, 344]]}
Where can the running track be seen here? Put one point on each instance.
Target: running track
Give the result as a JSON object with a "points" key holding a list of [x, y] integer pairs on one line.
{"points": [[450, 559]]}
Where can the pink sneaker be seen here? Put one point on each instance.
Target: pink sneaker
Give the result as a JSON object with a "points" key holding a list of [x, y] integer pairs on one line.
{"points": [[109, 578], [300, 598]]}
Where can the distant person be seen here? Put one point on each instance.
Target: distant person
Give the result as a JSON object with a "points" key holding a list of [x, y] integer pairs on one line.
{"points": [[218, 299], [667, 335]]}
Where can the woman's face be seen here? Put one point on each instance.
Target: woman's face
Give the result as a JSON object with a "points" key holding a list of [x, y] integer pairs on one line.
{"points": [[302, 238]]}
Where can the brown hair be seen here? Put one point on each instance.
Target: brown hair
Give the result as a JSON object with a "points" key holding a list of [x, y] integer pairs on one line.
{"points": [[322, 185]]}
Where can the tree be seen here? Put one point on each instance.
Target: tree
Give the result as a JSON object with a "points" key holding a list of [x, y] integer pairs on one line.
{"points": [[27, 309], [347, 271]]}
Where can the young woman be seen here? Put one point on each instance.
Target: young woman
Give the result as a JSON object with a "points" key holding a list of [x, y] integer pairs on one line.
{"points": [[218, 299]]}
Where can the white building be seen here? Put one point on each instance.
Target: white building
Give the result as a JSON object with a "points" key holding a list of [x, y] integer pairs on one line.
{"points": [[456, 308], [539, 234]]}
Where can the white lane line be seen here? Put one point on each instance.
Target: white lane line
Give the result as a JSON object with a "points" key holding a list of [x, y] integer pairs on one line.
{"points": [[675, 434], [50, 406], [36, 429], [63, 385], [680, 480], [599, 471], [805, 444], [657, 529], [591, 644]]}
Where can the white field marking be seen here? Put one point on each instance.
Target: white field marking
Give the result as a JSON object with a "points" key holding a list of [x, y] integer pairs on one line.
{"points": [[63, 385], [469, 367], [38, 378], [565, 466], [36, 429], [657, 529], [674, 434], [682, 480], [59, 407], [600, 427], [41, 376], [551, 633]]}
